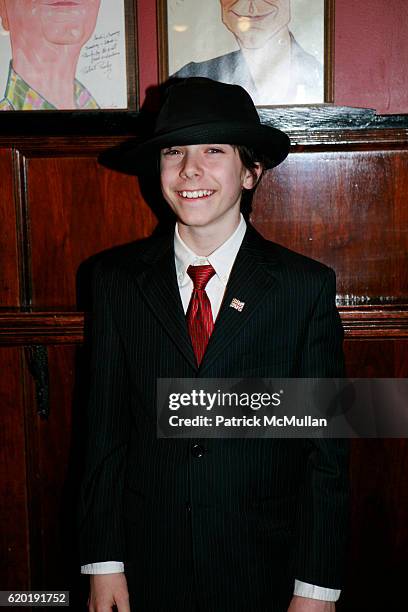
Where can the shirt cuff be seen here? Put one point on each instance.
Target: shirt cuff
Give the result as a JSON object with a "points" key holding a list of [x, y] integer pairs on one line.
{"points": [[304, 589], [104, 567]]}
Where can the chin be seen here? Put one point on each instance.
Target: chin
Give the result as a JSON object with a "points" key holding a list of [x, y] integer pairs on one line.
{"points": [[194, 221]]}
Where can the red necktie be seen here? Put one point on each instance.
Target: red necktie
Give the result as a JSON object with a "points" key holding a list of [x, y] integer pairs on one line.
{"points": [[199, 315]]}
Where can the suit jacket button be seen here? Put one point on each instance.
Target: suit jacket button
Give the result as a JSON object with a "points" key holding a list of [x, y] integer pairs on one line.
{"points": [[197, 451], [188, 506]]}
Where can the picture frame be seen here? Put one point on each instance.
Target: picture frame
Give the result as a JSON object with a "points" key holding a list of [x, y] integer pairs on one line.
{"points": [[106, 70], [183, 52]]}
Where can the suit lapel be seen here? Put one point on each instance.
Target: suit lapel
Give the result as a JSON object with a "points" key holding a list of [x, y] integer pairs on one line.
{"points": [[158, 284], [252, 277]]}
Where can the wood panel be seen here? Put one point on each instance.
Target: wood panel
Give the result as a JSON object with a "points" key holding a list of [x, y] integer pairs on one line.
{"points": [[379, 525], [55, 455], [381, 358], [9, 270], [378, 562], [14, 519], [83, 210], [347, 209]]}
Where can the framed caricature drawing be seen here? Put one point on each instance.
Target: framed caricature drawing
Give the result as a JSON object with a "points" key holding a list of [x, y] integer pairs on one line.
{"points": [[279, 50], [76, 55]]}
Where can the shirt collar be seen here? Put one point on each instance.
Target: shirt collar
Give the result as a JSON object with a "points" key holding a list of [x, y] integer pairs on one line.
{"points": [[222, 259], [21, 96]]}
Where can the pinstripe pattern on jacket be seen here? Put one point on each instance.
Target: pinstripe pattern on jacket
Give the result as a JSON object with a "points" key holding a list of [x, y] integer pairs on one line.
{"points": [[234, 527]]}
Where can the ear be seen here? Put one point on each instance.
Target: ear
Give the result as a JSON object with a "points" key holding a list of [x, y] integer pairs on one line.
{"points": [[3, 16], [251, 177]]}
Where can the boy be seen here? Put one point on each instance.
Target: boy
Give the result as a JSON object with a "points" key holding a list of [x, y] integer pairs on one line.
{"points": [[210, 525]]}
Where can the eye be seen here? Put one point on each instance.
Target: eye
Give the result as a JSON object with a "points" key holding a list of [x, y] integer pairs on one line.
{"points": [[171, 152], [215, 150]]}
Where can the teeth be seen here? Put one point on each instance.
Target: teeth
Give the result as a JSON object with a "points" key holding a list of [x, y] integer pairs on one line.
{"points": [[201, 193]]}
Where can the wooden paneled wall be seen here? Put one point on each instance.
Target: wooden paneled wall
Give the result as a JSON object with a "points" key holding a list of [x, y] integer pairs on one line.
{"points": [[341, 197]]}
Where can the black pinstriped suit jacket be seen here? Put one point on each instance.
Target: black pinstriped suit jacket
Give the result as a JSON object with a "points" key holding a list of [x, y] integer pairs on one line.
{"points": [[233, 528]]}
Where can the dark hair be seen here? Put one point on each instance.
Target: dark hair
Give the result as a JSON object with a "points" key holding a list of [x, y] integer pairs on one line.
{"points": [[250, 159]]}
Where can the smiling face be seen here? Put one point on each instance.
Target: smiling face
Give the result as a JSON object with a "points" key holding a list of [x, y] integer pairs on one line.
{"points": [[254, 22], [60, 22], [203, 185]]}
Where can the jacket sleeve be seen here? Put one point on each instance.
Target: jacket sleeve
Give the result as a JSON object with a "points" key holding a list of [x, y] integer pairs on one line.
{"points": [[100, 525], [324, 508]]}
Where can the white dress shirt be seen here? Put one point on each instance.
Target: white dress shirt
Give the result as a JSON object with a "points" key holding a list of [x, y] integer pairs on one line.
{"points": [[222, 260]]}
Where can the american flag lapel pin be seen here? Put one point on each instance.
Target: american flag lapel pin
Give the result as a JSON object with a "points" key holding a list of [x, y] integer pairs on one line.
{"points": [[237, 304]]}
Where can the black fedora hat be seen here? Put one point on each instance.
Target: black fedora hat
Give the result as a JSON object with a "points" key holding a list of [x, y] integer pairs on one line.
{"points": [[198, 110]]}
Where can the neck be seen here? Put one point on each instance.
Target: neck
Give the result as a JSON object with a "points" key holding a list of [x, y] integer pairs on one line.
{"points": [[270, 67], [274, 48], [50, 71], [205, 240]]}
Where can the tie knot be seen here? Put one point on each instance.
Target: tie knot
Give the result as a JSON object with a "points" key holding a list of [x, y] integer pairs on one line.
{"points": [[200, 275]]}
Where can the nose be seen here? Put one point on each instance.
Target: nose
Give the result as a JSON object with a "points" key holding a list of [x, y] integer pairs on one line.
{"points": [[191, 166]]}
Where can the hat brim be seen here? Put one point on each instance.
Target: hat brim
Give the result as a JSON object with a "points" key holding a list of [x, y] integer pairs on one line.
{"points": [[141, 157]]}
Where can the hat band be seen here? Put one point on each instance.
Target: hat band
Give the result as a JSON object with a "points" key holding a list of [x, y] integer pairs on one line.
{"points": [[231, 122]]}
